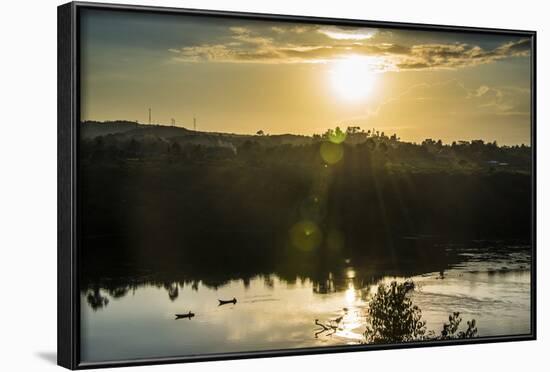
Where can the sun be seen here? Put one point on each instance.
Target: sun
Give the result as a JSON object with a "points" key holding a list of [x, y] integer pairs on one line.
{"points": [[352, 78]]}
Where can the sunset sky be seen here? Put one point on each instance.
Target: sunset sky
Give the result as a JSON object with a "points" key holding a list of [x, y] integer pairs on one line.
{"points": [[241, 76]]}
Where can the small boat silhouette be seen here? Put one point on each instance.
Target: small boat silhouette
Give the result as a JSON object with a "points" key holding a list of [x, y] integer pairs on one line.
{"points": [[189, 315], [225, 302]]}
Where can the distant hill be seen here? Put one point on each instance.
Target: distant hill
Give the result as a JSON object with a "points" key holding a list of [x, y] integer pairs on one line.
{"points": [[127, 130], [92, 129]]}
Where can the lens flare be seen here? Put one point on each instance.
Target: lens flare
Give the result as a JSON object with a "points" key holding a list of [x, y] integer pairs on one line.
{"points": [[306, 235], [331, 152]]}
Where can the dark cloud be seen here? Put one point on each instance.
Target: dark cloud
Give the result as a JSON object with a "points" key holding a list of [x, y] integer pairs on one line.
{"points": [[313, 44], [460, 55]]}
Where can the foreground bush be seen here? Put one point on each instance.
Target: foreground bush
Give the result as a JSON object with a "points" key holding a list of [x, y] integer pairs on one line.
{"points": [[393, 318]]}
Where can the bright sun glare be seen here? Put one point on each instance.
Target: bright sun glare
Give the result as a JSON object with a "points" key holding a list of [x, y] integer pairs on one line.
{"points": [[352, 78]]}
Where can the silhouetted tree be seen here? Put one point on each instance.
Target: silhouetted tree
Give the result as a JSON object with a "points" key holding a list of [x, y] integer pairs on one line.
{"points": [[450, 330], [133, 148], [393, 318], [95, 299], [175, 148]]}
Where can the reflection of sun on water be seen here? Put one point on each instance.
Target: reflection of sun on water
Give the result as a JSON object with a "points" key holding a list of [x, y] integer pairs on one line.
{"points": [[353, 78], [350, 294], [350, 327]]}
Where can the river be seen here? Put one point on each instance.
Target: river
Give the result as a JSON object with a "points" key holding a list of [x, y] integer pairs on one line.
{"points": [[490, 285]]}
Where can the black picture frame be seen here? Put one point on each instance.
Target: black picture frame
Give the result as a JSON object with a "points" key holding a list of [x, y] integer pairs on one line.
{"points": [[68, 320]]}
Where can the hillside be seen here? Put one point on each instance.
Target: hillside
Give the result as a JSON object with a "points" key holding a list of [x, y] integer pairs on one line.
{"points": [[127, 130], [122, 140]]}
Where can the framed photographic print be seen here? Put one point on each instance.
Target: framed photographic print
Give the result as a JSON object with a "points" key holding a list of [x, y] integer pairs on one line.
{"points": [[235, 185]]}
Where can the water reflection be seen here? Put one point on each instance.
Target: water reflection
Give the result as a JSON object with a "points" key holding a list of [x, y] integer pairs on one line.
{"points": [[273, 311], [95, 299]]}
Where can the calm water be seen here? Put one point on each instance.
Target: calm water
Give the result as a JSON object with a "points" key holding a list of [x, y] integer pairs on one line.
{"points": [[275, 314]]}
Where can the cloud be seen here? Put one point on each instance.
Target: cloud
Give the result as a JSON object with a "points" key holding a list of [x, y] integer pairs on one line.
{"points": [[503, 100], [339, 33], [452, 56], [321, 44], [519, 48], [481, 91]]}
